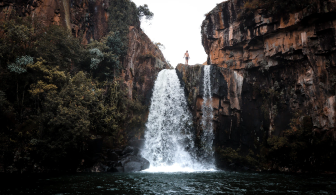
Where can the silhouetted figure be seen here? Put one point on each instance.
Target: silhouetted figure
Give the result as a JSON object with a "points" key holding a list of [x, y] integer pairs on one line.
{"points": [[186, 56]]}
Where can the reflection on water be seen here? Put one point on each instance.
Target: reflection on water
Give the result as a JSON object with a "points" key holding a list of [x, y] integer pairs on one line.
{"points": [[170, 183]]}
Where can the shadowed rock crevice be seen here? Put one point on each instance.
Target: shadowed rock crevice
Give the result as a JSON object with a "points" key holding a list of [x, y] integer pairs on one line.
{"points": [[271, 75]]}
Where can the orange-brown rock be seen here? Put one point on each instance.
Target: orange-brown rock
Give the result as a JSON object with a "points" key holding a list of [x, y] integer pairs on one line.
{"points": [[305, 39], [234, 44], [89, 18], [143, 62], [265, 71]]}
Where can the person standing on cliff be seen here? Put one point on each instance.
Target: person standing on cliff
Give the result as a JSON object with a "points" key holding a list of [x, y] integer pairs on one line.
{"points": [[186, 56]]}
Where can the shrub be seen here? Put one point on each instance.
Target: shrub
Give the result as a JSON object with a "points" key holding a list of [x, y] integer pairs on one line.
{"points": [[144, 11], [230, 155], [49, 113], [58, 47], [97, 57], [65, 122], [20, 64], [122, 14], [108, 53], [115, 44], [159, 45], [301, 148]]}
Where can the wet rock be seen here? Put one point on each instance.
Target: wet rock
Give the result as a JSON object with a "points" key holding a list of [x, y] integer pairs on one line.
{"points": [[118, 151], [116, 169], [119, 169], [127, 160], [128, 150], [136, 151], [131, 161], [98, 167], [136, 143], [134, 163], [112, 156]]}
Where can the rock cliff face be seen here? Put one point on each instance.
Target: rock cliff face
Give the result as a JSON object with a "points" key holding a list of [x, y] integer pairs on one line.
{"points": [[265, 70], [90, 19], [230, 126], [143, 62]]}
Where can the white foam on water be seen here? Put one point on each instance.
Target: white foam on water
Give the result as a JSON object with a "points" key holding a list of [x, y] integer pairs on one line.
{"points": [[176, 168], [169, 145]]}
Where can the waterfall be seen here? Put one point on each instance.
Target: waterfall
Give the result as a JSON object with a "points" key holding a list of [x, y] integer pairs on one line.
{"points": [[207, 136], [169, 144]]}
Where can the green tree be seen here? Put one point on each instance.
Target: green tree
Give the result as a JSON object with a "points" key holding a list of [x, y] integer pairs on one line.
{"points": [[17, 39], [58, 47], [107, 64], [65, 93], [122, 14], [65, 122], [301, 148], [144, 11]]}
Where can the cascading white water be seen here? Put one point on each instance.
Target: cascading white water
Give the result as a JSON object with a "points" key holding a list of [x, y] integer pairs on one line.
{"points": [[207, 116], [169, 145]]}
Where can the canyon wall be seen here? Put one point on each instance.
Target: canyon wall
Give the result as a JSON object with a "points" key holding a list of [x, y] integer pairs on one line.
{"points": [[267, 70], [86, 18], [143, 62], [89, 20]]}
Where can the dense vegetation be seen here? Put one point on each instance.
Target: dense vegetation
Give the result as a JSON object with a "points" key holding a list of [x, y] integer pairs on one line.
{"points": [[56, 94], [298, 149]]}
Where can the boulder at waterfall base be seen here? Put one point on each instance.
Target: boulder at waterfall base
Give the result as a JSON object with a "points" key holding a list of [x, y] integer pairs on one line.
{"points": [[127, 160]]}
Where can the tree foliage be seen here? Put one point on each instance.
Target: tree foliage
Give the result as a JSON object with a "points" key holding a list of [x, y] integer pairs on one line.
{"points": [[97, 57], [20, 64], [144, 11], [122, 14], [159, 45], [59, 47], [54, 98], [301, 148], [106, 56]]}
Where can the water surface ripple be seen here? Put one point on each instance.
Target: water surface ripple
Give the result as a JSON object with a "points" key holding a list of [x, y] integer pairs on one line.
{"points": [[218, 182]]}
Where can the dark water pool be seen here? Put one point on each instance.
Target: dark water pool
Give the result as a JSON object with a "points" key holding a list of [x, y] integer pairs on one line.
{"points": [[218, 182]]}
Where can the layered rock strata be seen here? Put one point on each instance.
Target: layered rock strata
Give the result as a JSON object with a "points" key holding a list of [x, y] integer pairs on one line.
{"points": [[266, 70]]}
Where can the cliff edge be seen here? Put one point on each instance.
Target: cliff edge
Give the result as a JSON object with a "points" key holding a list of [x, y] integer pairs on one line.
{"points": [[273, 75]]}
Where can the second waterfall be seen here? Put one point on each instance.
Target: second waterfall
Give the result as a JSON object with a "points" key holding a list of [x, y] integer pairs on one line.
{"points": [[170, 135], [207, 135]]}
